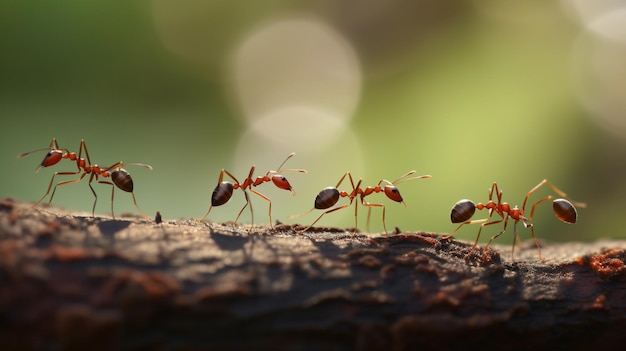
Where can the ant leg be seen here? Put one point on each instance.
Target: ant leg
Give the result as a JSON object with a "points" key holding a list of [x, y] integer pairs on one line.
{"points": [[532, 233], [93, 209], [356, 216], [494, 188], [55, 187], [247, 197], [532, 209], [448, 236], [113, 198], [112, 194], [506, 221], [270, 204], [83, 146], [555, 189], [369, 211], [60, 184], [134, 201], [322, 215], [301, 214], [206, 214], [480, 230]]}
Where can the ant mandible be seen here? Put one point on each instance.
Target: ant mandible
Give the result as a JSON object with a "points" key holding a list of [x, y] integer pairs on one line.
{"points": [[120, 177], [329, 196], [224, 189], [463, 210]]}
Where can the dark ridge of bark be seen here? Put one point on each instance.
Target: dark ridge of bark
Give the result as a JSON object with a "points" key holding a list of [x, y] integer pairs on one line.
{"points": [[72, 282]]}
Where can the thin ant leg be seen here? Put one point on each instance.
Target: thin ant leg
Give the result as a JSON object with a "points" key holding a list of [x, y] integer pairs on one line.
{"points": [[532, 209], [370, 205], [322, 215], [270, 205], [95, 201], [480, 230], [246, 184], [112, 195], [353, 194], [532, 233], [369, 213], [60, 183], [506, 222], [555, 189], [476, 221], [247, 197], [113, 198]]}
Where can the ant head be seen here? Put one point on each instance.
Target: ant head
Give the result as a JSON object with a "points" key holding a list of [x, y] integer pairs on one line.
{"points": [[462, 211], [222, 193], [52, 158], [281, 182], [393, 193], [564, 211], [326, 198], [122, 179]]}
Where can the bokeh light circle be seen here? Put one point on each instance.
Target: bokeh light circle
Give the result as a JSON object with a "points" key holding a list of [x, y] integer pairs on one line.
{"points": [[296, 62]]}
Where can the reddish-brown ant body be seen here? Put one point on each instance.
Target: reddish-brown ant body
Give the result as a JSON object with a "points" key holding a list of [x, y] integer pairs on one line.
{"points": [[120, 177], [463, 210], [329, 196], [224, 189]]}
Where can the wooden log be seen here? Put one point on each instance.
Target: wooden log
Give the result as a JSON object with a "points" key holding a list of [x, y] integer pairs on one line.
{"points": [[72, 282]]}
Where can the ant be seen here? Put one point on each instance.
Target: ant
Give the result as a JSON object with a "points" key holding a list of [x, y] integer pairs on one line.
{"points": [[463, 210], [329, 196], [224, 189], [120, 177]]}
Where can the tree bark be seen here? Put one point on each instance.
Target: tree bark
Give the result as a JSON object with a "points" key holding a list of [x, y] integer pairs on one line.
{"points": [[72, 282]]}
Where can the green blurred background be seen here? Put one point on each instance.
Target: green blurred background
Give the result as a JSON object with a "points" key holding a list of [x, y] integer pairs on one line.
{"points": [[470, 92]]}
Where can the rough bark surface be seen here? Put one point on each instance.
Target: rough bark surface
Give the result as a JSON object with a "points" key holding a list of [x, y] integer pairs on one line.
{"points": [[72, 282]]}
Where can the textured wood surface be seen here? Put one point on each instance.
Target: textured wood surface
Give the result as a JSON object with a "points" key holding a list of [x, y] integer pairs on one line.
{"points": [[72, 282]]}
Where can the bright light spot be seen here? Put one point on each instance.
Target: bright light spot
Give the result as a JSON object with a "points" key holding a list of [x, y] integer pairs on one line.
{"points": [[296, 62], [586, 11], [299, 125], [600, 69], [611, 25]]}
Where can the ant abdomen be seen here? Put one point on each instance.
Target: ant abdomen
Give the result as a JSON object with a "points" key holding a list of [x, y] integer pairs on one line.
{"points": [[222, 193], [326, 198], [52, 158], [564, 211], [462, 211], [123, 180]]}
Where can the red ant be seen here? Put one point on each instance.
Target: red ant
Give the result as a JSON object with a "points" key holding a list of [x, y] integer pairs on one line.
{"points": [[463, 210], [120, 177], [329, 196], [224, 190]]}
